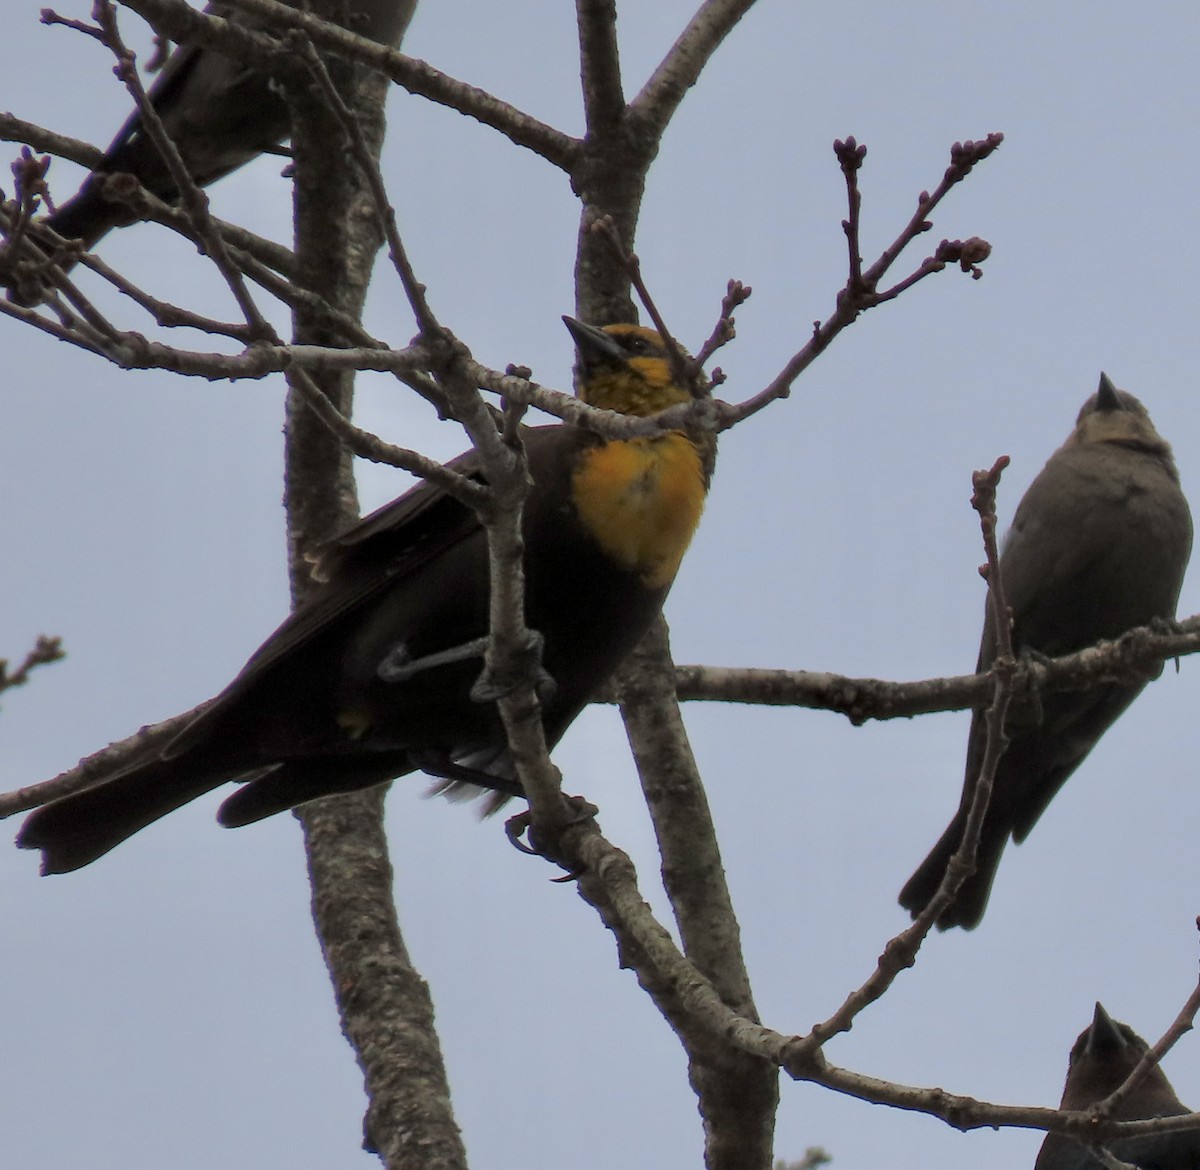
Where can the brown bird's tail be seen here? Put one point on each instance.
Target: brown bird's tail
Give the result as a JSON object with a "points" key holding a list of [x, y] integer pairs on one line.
{"points": [[969, 904], [77, 829]]}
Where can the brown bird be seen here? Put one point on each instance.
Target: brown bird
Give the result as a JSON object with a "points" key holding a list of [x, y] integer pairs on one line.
{"points": [[219, 111], [1104, 1055], [373, 676], [1099, 544]]}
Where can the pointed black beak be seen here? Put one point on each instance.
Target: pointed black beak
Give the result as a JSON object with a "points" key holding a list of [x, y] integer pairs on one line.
{"points": [[1104, 1035], [594, 345], [1107, 397]]}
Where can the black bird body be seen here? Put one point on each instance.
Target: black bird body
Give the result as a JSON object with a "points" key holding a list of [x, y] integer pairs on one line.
{"points": [[220, 112], [1099, 544], [310, 714], [1103, 1056]]}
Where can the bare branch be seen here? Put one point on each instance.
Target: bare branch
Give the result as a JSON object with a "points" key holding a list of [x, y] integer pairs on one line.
{"points": [[187, 25], [861, 291], [600, 65], [79, 334], [687, 372], [99, 765], [1183, 1023], [384, 1004], [14, 129], [413, 288], [45, 650], [192, 198], [1133, 657], [739, 1093], [900, 953], [369, 446], [660, 96]]}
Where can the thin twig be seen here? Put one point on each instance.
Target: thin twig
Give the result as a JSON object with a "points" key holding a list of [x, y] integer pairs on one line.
{"points": [[688, 371], [964, 156], [900, 953], [413, 288], [46, 649], [99, 766], [369, 446], [145, 205], [1183, 1023], [188, 25], [191, 197], [850, 157], [860, 294], [50, 18], [736, 295], [82, 338], [962, 863], [1134, 657], [685, 371]]}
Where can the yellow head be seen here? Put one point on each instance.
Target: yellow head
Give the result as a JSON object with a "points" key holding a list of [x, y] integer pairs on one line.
{"points": [[624, 368]]}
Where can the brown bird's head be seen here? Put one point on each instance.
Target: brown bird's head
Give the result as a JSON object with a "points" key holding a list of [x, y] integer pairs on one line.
{"points": [[625, 368], [1115, 416], [1102, 1057]]}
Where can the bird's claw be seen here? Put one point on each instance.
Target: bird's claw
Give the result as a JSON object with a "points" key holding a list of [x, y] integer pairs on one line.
{"points": [[399, 666], [522, 826], [516, 827], [491, 685]]}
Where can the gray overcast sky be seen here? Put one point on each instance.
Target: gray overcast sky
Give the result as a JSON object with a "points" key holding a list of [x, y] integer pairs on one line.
{"points": [[168, 1007]]}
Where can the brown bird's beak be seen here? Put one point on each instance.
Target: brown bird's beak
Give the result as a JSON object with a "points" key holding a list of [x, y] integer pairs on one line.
{"points": [[1104, 1035], [1107, 398], [594, 345]]}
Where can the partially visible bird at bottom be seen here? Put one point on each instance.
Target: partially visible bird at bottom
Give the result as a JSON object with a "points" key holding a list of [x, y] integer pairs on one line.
{"points": [[1099, 544], [372, 677], [220, 112], [1103, 1056]]}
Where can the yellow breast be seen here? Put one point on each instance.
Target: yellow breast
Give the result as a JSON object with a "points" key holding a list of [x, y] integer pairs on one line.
{"points": [[641, 500]]}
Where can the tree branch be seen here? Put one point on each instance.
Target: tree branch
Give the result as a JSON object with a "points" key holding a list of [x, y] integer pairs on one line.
{"points": [[187, 25], [660, 97], [1133, 657], [14, 129], [384, 1006], [45, 650], [739, 1093], [600, 66], [861, 291]]}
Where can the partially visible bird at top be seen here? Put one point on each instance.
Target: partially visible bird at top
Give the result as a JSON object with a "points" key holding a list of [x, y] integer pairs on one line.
{"points": [[1099, 544], [219, 111], [1103, 1056], [372, 676]]}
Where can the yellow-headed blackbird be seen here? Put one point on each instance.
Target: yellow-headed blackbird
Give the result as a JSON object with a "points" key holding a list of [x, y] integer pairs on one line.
{"points": [[220, 113], [1103, 1056], [346, 693], [1099, 544]]}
